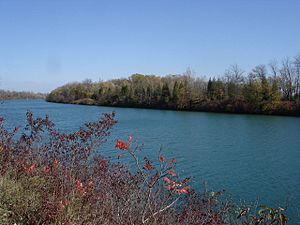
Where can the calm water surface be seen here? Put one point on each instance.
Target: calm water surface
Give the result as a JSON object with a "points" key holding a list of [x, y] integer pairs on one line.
{"points": [[253, 157]]}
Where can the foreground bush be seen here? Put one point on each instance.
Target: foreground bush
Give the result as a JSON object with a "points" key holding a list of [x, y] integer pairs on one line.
{"points": [[49, 177]]}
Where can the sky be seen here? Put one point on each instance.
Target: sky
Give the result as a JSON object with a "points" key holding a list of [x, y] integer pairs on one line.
{"points": [[45, 44]]}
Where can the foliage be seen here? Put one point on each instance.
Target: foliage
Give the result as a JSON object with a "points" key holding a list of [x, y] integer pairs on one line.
{"points": [[49, 177], [9, 95], [276, 91]]}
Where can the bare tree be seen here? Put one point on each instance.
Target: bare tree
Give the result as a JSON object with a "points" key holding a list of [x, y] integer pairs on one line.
{"points": [[234, 78], [260, 71], [274, 68], [286, 78], [297, 78], [235, 74]]}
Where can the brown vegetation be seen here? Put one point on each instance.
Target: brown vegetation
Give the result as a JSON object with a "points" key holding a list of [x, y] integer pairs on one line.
{"points": [[48, 177], [10, 95], [276, 91]]}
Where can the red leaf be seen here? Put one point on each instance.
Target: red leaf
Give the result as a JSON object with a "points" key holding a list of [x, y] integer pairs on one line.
{"points": [[80, 187], [172, 161], [121, 145], [29, 169], [167, 180], [46, 169], [129, 140], [162, 158], [184, 190], [148, 166], [172, 173]]}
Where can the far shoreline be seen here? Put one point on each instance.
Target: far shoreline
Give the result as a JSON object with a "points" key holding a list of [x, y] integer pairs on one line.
{"points": [[178, 110]]}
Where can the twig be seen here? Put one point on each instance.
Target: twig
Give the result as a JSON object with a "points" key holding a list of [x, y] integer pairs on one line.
{"points": [[161, 210]]}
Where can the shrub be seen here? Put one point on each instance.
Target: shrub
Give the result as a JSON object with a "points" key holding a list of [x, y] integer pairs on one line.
{"points": [[49, 177]]}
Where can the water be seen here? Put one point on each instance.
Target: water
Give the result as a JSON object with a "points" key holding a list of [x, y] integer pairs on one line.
{"points": [[251, 156]]}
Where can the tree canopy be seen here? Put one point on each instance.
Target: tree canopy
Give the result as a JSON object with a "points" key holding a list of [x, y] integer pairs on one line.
{"points": [[266, 89]]}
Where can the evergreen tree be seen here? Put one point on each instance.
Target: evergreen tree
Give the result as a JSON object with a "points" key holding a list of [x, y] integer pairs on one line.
{"points": [[165, 94]]}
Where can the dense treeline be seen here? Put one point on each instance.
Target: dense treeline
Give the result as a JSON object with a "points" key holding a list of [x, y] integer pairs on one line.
{"points": [[9, 95], [266, 89]]}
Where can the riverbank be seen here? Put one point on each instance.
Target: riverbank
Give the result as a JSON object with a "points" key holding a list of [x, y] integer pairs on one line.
{"points": [[18, 95], [217, 109], [256, 93]]}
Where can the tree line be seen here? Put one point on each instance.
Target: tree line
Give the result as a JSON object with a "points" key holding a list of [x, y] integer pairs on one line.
{"points": [[266, 89], [10, 95]]}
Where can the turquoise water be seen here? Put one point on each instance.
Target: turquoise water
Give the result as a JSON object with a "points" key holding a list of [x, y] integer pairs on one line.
{"points": [[252, 157]]}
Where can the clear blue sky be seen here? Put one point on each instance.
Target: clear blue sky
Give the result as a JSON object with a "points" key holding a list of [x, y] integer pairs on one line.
{"points": [[44, 44]]}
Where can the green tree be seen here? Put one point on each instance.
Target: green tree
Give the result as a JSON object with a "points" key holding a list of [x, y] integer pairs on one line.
{"points": [[165, 94]]}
